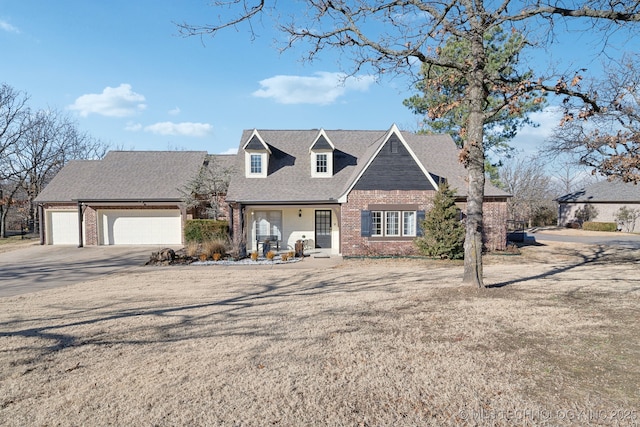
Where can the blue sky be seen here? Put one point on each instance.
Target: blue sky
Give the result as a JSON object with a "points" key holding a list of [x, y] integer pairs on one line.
{"points": [[122, 71], [126, 76]]}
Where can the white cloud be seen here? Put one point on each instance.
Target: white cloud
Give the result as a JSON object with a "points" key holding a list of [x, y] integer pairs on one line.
{"points": [[133, 127], [230, 151], [174, 112], [183, 129], [5, 26], [118, 101], [531, 139], [323, 88]]}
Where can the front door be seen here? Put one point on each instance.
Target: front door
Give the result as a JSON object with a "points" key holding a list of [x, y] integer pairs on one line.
{"points": [[323, 229]]}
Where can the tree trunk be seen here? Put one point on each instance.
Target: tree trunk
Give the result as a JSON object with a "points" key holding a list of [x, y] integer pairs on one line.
{"points": [[474, 152], [3, 221]]}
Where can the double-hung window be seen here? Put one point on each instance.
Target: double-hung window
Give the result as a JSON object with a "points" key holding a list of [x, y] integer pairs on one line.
{"points": [[393, 223], [256, 164], [321, 163], [409, 223]]}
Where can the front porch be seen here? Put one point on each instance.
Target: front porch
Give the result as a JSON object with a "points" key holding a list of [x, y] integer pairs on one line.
{"points": [[282, 226]]}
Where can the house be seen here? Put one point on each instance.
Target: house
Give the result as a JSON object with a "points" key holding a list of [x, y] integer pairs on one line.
{"points": [[347, 192], [599, 202], [128, 197]]}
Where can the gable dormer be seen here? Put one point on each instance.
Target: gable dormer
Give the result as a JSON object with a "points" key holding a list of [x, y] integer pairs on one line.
{"points": [[321, 156], [256, 156]]}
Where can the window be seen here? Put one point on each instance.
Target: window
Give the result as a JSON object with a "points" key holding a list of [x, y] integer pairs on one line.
{"points": [[409, 223], [321, 163], [376, 223], [256, 163], [393, 223], [268, 223]]}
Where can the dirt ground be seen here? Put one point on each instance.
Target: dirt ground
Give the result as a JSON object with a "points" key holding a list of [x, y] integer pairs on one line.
{"points": [[552, 341]]}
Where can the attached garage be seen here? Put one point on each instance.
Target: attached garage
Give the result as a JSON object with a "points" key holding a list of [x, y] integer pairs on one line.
{"points": [[140, 227], [63, 227], [126, 198]]}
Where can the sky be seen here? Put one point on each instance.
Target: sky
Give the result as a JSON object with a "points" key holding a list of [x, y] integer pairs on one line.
{"points": [[121, 70]]}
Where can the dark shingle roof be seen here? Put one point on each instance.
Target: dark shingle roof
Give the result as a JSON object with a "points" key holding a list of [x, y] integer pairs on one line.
{"points": [[604, 192], [125, 175], [289, 175]]}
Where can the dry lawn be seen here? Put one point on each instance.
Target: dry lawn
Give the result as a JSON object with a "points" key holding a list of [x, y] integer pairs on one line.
{"points": [[373, 343]]}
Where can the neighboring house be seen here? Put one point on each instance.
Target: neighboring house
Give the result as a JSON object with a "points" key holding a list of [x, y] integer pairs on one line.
{"points": [[129, 197], [602, 200], [348, 192]]}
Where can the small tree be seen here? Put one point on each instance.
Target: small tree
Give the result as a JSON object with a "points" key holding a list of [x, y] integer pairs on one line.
{"points": [[443, 231], [626, 218], [586, 213], [208, 189]]}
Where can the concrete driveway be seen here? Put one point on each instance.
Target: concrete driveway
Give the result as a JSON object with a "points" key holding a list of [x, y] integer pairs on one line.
{"points": [[624, 240], [34, 267]]}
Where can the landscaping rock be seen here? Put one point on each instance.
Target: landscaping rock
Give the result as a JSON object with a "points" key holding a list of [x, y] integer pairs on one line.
{"points": [[163, 257]]}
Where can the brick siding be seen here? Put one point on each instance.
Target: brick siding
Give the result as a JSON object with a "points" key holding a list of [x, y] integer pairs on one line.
{"points": [[353, 244]]}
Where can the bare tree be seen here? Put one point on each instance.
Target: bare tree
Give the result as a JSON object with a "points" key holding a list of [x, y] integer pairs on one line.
{"points": [[35, 146], [531, 189], [208, 189], [569, 176], [606, 139], [390, 36]]}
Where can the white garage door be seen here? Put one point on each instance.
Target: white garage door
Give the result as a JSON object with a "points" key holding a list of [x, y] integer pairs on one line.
{"points": [[63, 227], [140, 227]]}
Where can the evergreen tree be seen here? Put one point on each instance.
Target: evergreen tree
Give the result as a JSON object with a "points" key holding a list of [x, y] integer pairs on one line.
{"points": [[443, 231]]}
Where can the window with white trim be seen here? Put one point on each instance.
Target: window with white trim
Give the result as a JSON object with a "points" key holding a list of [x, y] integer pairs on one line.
{"points": [[409, 223], [393, 223], [321, 163], [268, 223], [256, 164], [376, 223]]}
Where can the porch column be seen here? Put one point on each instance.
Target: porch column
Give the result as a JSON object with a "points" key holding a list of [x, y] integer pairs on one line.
{"points": [[80, 241], [41, 225]]}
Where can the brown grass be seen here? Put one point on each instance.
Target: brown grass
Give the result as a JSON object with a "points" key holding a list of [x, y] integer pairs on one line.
{"points": [[373, 342]]}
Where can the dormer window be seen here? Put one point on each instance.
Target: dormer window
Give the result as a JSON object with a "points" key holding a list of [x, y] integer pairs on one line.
{"points": [[321, 153], [256, 164], [321, 163], [256, 156]]}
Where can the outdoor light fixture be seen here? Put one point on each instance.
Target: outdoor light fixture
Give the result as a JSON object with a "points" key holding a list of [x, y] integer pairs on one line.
{"points": [[299, 213]]}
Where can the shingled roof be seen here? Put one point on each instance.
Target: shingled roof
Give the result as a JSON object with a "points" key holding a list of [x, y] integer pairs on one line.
{"points": [[604, 192], [125, 175], [289, 176]]}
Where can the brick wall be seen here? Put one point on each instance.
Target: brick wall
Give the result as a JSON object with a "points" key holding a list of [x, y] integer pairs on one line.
{"points": [[355, 245], [90, 226], [494, 223], [495, 216]]}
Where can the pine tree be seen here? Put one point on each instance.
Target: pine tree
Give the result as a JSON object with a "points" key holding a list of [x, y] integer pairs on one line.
{"points": [[443, 231]]}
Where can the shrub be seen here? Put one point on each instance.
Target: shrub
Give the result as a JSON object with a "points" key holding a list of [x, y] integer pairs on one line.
{"points": [[443, 231], [191, 249], [254, 256], [270, 255], [284, 257], [600, 226], [627, 218], [217, 256], [544, 215], [586, 213], [200, 230], [217, 246]]}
